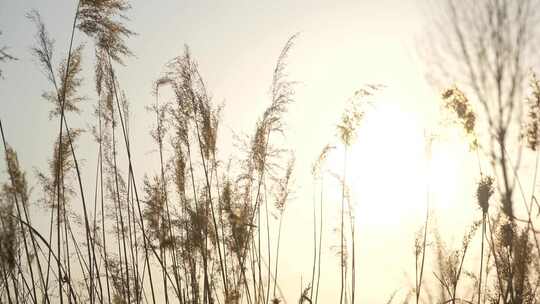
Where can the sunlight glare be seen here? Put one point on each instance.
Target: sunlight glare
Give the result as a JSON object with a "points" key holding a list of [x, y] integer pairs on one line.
{"points": [[389, 169]]}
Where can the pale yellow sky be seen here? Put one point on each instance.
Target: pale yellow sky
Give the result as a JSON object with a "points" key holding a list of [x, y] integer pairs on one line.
{"points": [[342, 46]]}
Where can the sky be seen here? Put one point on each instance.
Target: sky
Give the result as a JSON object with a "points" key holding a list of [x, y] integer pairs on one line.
{"points": [[342, 46]]}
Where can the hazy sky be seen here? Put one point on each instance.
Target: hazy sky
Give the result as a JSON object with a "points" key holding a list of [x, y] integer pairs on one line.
{"points": [[342, 45]]}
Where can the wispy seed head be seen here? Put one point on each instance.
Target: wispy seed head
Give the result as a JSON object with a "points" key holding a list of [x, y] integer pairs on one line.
{"points": [[456, 101], [484, 192], [531, 134]]}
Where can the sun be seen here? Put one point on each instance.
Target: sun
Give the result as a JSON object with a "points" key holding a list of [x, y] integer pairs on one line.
{"points": [[393, 168]]}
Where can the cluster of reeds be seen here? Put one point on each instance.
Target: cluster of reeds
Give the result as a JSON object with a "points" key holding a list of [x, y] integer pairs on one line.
{"points": [[347, 129], [191, 234], [508, 253]]}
